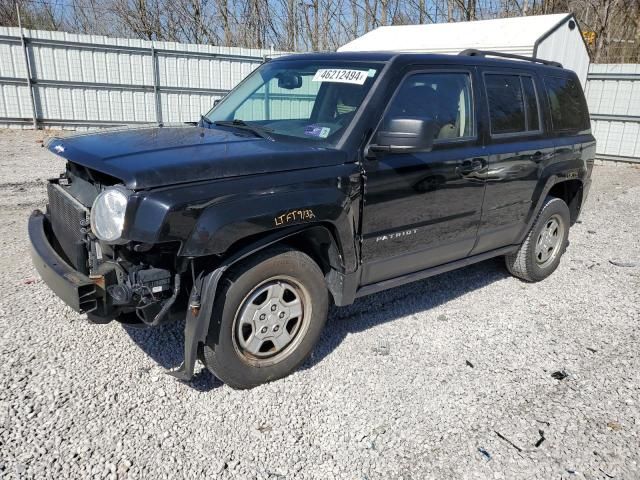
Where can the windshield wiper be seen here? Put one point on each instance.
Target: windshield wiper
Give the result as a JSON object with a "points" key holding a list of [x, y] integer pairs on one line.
{"points": [[261, 132]]}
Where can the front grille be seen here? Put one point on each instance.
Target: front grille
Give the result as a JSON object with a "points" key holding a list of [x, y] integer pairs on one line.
{"points": [[68, 217]]}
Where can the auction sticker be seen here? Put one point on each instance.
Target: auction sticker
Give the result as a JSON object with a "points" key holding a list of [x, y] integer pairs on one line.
{"points": [[317, 131], [341, 75]]}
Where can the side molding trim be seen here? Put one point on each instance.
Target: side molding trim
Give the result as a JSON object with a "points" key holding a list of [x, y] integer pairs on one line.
{"points": [[430, 272]]}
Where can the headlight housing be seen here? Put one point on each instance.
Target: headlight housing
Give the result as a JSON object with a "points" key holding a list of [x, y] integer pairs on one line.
{"points": [[107, 215]]}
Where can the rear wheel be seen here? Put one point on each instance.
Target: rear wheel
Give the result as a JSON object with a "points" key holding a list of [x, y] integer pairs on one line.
{"points": [[540, 253], [271, 311]]}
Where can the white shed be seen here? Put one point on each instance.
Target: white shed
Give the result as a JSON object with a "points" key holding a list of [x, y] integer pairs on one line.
{"points": [[551, 37]]}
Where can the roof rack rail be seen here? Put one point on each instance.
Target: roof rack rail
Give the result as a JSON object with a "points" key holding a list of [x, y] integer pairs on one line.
{"points": [[472, 52]]}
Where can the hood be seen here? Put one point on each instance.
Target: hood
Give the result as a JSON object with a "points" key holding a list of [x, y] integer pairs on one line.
{"points": [[152, 157]]}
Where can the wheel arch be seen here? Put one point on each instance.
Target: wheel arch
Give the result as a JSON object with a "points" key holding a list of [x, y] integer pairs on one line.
{"points": [[320, 241], [571, 192]]}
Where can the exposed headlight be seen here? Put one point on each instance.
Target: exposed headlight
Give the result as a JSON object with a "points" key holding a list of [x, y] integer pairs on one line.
{"points": [[107, 215]]}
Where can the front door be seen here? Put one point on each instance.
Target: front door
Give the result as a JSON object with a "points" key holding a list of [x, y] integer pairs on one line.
{"points": [[423, 209]]}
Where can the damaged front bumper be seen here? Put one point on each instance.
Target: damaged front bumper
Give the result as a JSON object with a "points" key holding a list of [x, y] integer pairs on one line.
{"points": [[74, 288], [85, 295]]}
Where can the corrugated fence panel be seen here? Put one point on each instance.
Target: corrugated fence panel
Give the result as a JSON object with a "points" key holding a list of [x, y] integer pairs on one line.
{"points": [[186, 107], [93, 80], [613, 96]]}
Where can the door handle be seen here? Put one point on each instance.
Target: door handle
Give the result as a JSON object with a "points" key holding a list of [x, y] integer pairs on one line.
{"points": [[471, 166]]}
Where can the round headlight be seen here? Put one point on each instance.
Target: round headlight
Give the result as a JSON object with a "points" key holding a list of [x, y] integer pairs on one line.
{"points": [[107, 215]]}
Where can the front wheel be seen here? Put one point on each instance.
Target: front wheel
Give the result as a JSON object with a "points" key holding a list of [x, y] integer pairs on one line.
{"points": [[267, 318], [540, 253]]}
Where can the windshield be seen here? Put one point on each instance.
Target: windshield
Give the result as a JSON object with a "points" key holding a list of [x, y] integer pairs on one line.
{"points": [[303, 100]]}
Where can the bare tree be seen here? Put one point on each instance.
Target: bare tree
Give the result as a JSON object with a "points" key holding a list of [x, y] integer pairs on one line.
{"points": [[612, 26], [38, 16]]}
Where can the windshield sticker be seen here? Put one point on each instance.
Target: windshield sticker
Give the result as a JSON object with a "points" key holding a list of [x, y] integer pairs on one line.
{"points": [[317, 131], [341, 75]]}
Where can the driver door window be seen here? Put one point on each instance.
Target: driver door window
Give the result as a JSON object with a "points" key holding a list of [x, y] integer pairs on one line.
{"points": [[442, 98]]}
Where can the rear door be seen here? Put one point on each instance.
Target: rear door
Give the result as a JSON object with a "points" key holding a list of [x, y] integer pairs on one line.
{"points": [[422, 209], [518, 149]]}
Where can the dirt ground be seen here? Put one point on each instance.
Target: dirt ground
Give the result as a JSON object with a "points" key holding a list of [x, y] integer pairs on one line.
{"points": [[471, 374]]}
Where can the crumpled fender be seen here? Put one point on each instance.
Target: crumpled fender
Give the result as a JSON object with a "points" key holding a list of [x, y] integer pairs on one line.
{"points": [[222, 225]]}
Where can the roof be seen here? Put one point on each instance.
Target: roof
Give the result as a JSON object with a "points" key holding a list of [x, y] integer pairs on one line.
{"points": [[356, 56], [517, 35]]}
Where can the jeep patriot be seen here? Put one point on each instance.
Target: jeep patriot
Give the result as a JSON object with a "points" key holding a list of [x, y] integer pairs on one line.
{"points": [[320, 178]]}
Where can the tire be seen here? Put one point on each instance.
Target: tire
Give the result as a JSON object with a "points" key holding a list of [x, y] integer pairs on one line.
{"points": [[281, 292], [534, 264]]}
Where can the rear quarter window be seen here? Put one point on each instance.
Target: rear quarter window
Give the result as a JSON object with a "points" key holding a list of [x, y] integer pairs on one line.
{"points": [[568, 107]]}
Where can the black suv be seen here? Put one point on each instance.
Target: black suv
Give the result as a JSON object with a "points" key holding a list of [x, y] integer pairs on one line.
{"points": [[320, 178]]}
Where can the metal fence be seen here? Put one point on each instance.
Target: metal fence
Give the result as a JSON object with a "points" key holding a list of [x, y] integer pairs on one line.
{"points": [[613, 95], [61, 79], [68, 80]]}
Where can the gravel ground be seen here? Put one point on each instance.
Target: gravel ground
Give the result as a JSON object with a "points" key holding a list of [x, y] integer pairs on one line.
{"points": [[451, 377]]}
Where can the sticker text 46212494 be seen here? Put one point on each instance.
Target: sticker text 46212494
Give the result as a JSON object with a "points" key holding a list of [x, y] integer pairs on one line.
{"points": [[341, 75]]}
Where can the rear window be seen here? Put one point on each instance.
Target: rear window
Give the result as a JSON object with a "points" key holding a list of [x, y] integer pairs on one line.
{"points": [[568, 106], [513, 104]]}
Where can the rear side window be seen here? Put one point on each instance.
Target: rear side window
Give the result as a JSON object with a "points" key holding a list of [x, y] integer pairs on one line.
{"points": [[513, 104], [568, 107]]}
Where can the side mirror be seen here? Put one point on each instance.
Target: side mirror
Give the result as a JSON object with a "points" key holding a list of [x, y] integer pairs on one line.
{"points": [[289, 81], [218, 100], [405, 135]]}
